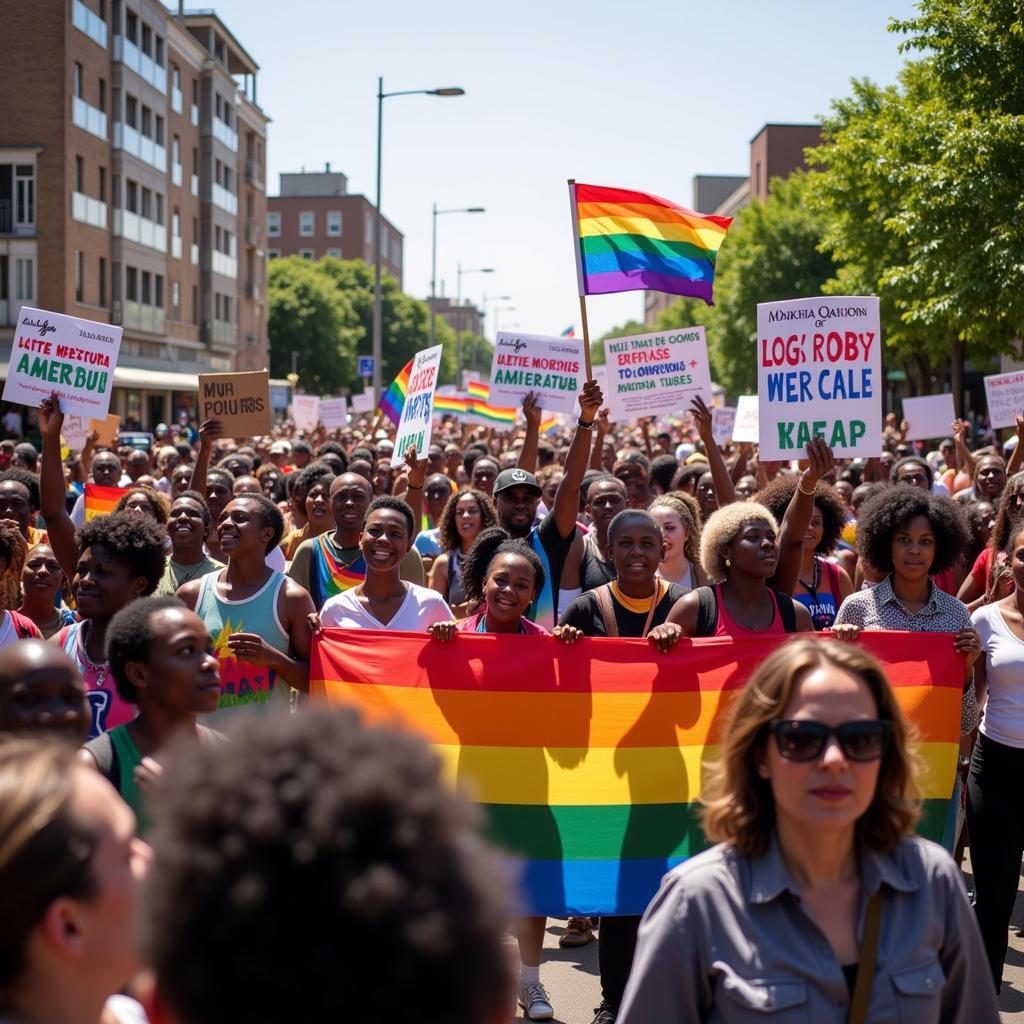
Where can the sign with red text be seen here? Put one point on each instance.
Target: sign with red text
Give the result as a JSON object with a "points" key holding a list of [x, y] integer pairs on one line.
{"points": [[656, 374], [819, 374], [334, 412], [929, 416], [416, 424], [1004, 393], [723, 419], [73, 357], [552, 368], [305, 411]]}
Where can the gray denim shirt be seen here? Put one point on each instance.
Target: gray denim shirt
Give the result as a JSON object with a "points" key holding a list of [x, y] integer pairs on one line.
{"points": [[726, 941]]}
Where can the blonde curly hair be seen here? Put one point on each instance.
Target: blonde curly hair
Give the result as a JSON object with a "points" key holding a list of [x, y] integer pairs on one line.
{"points": [[722, 528]]}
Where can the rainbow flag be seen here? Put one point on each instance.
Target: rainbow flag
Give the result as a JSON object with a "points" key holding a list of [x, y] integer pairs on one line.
{"points": [[393, 400], [478, 389], [450, 405], [633, 241], [569, 332], [481, 410], [587, 759], [547, 423], [100, 501]]}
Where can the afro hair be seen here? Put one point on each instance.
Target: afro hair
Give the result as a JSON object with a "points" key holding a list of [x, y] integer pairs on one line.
{"points": [[723, 527]]}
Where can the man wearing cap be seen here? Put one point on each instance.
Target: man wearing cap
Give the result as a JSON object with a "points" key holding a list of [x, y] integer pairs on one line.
{"points": [[280, 452], [517, 494]]}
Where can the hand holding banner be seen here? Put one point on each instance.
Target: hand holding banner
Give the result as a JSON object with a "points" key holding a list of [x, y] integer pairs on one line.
{"points": [[552, 368], [417, 422], [929, 416]]}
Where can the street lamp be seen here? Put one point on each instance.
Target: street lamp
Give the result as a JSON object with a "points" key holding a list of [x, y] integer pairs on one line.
{"points": [[448, 90], [494, 298], [500, 309], [458, 315], [433, 261]]}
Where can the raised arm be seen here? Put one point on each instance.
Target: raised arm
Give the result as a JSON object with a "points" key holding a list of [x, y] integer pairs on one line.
{"points": [[567, 497], [59, 527], [964, 459], [724, 487], [528, 453], [601, 431], [1017, 455], [414, 488], [209, 431]]}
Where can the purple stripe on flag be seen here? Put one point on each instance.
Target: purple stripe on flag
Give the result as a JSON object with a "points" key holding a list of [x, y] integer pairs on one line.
{"points": [[647, 280]]}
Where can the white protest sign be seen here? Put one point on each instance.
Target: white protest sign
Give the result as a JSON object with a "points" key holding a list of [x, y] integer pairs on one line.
{"points": [[363, 402], [75, 430], [1004, 393], [819, 373], [929, 416], [652, 374], [305, 411], [334, 412], [722, 420], [745, 426], [553, 368], [74, 357], [417, 423]]}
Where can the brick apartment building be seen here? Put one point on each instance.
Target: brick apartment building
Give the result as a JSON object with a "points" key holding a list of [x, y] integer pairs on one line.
{"points": [[132, 155], [464, 317], [316, 216]]}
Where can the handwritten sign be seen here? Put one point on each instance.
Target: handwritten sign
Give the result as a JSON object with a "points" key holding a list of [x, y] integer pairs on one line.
{"points": [[930, 416], [746, 426], [75, 430], [416, 424], [363, 402], [241, 401], [334, 412], [652, 374], [723, 419], [819, 374], [107, 429], [553, 368], [305, 411], [75, 358], [1004, 393]]}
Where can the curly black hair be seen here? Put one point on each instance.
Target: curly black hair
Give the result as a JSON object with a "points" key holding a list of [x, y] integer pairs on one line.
{"points": [[303, 480], [129, 637], [488, 545], [330, 448], [776, 496], [682, 480], [396, 505], [221, 474], [200, 501], [448, 531], [886, 512], [268, 514], [135, 540], [663, 471], [634, 513], [29, 480], [319, 811], [911, 460], [1008, 510]]}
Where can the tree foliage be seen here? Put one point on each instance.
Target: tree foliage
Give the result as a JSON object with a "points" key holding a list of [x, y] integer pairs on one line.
{"points": [[626, 330]]}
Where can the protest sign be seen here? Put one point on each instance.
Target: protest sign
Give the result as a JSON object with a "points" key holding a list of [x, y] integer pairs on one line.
{"points": [[334, 412], [75, 430], [722, 421], [107, 429], [363, 402], [652, 374], [819, 374], [305, 411], [745, 427], [552, 368], [417, 422], [1004, 393], [241, 401], [930, 416], [64, 354]]}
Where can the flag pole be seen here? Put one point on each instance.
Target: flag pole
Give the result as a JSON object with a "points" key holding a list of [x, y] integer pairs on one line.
{"points": [[579, 277]]}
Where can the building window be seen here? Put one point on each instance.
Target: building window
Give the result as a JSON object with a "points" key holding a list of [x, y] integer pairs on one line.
{"points": [[101, 290], [158, 291], [273, 223], [79, 174], [79, 291], [159, 137], [77, 83], [131, 284], [131, 196], [273, 254], [195, 304], [147, 287], [147, 40], [306, 254], [307, 223], [176, 300], [336, 253], [147, 203], [103, 95], [103, 184], [24, 272], [396, 252], [131, 27], [384, 238], [334, 222], [131, 111], [175, 77]]}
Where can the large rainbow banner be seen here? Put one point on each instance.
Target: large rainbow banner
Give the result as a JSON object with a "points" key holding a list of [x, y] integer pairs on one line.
{"points": [[587, 759], [101, 501]]}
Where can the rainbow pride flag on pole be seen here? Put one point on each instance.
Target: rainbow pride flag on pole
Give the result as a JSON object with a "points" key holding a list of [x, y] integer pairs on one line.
{"points": [[587, 760], [393, 400], [634, 241], [100, 501]]}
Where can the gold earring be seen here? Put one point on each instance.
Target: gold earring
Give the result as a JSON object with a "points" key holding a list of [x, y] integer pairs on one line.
{"points": [[728, 563]]}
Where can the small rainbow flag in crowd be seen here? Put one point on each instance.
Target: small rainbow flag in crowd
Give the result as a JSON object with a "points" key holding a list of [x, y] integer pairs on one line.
{"points": [[100, 501], [393, 400], [451, 405], [587, 760], [634, 241], [479, 396], [569, 332], [547, 423]]}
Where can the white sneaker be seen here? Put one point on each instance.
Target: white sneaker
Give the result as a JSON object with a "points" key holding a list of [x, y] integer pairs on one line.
{"points": [[533, 998]]}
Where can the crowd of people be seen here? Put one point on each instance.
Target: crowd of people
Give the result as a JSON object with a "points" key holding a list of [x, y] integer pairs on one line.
{"points": [[185, 835]]}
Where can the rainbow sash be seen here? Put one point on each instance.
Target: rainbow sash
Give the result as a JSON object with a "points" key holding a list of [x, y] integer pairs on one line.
{"points": [[329, 575]]}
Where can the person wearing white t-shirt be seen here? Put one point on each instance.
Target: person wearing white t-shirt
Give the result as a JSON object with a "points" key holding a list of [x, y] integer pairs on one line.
{"points": [[384, 600], [995, 798]]}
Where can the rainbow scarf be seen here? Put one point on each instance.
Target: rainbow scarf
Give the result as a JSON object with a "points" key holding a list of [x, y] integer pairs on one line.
{"points": [[329, 575], [587, 759], [101, 501], [393, 400], [634, 241]]}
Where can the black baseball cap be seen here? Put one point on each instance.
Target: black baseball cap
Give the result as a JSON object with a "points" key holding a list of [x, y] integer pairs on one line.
{"points": [[515, 478]]}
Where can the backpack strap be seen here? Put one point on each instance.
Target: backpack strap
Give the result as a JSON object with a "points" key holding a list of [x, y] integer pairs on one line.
{"points": [[786, 610], [603, 596], [707, 611], [105, 754]]}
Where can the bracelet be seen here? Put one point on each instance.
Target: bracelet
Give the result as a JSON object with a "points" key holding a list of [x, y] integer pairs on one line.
{"points": [[800, 488], [583, 425], [414, 487]]}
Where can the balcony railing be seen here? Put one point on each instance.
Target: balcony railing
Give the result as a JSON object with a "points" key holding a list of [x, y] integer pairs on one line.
{"points": [[133, 141], [137, 229], [226, 200], [145, 67], [88, 210], [223, 264], [140, 317], [177, 100], [252, 231], [225, 333], [254, 172], [91, 24], [252, 288], [87, 117], [222, 132]]}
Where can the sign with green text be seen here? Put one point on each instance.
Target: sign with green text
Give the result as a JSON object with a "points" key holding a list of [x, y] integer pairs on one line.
{"points": [[552, 368]]}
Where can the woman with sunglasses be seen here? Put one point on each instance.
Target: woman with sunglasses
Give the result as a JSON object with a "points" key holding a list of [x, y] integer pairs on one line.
{"points": [[989, 578], [818, 903]]}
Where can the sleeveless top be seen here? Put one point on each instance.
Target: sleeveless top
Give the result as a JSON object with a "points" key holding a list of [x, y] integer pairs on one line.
{"points": [[823, 607], [105, 705], [594, 570], [244, 687], [329, 574], [728, 626]]}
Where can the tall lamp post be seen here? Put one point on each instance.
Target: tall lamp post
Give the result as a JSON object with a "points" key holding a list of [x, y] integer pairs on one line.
{"points": [[433, 262], [494, 298], [451, 90], [500, 309], [458, 315]]}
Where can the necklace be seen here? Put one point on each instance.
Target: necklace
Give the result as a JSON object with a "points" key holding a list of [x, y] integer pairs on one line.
{"points": [[191, 574], [99, 668], [812, 588]]}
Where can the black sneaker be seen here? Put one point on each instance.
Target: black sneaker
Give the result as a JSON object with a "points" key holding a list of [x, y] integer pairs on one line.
{"points": [[604, 1014]]}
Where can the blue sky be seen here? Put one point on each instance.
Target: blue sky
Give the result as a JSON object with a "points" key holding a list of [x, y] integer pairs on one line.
{"points": [[639, 94]]}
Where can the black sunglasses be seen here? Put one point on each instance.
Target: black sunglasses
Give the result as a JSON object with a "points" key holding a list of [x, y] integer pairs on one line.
{"points": [[804, 739]]}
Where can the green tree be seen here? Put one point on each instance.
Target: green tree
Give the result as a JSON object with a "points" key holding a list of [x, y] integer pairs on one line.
{"points": [[477, 352], [626, 330]]}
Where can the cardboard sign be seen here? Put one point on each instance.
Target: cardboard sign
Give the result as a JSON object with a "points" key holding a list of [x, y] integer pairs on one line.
{"points": [[819, 371], [334, 412], [64, 354], [746, 426], [553, 368], [241, 401], [930, 416], [654, 374], [417, 421], [305, 411], [363, 402], [722, 422], [1004, 393], [107, 429]]}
